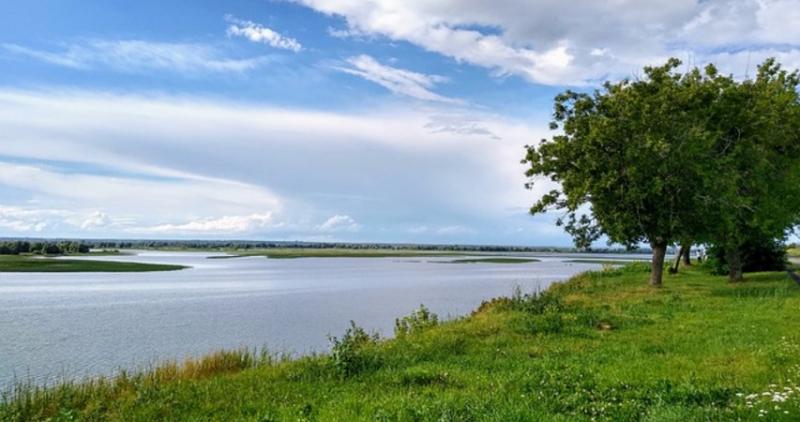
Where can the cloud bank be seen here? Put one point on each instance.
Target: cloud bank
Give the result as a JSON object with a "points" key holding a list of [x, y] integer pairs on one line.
{"points": [[580, 42], [165, 166]]}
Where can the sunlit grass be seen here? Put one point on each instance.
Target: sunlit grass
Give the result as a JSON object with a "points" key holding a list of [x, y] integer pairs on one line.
{"points": [[603, 346]]}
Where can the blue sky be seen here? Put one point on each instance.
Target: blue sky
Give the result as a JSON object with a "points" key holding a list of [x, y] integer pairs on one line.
{"points": [[339, 120]]}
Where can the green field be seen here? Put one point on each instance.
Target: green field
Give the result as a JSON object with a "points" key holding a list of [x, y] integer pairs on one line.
{"points": [[23, 263], [335, 253], [603, 346], [498, 260]]}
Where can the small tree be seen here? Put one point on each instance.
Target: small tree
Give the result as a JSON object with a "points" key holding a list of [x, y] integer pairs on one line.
{"points": [[637, 154]]}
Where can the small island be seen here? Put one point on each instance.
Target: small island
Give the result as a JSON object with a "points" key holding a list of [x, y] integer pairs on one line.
{"points": [[48, 257]]}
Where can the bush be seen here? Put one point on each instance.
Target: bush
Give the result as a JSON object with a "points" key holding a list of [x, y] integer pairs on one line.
{"points": [[536, 303], [418, 321], [351, 354], [757, 255]]}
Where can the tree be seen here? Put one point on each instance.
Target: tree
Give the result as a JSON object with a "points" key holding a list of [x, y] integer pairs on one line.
{"points": [[756, 124], [674, 157], [634, 153]]}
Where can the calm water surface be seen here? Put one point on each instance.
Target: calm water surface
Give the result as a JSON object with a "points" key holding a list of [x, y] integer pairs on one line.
{"points": [[83, 324]]}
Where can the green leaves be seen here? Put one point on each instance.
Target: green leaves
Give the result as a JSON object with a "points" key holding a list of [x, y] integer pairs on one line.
{"points": [[694, 155]]}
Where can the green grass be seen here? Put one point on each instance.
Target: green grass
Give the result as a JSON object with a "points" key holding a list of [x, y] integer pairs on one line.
{"points": [[490, 261], [16, 263], [603, 346], [287, 253]]}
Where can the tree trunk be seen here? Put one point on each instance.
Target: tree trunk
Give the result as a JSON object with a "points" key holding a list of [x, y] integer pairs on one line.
{"points": [[683, 253], [734, 259], [687, 250], [657, 264], [673, 269]]}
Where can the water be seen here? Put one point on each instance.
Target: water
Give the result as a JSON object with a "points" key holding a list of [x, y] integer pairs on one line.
{"points": [[73, 325]]}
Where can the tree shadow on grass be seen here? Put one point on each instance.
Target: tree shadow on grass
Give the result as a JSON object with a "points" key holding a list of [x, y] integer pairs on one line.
{"points": [[759, 285]]}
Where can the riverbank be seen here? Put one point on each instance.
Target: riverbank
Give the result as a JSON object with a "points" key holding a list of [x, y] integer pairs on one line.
{"points": [[28, 263], [603, 345]]}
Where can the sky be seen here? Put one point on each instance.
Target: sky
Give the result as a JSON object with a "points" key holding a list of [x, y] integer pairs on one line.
{"points": [[322, 120]]}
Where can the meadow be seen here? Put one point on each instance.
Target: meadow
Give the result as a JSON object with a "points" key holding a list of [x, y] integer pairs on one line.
{"points": [[602, 346]]}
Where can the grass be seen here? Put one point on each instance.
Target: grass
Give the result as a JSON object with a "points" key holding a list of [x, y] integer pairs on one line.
{"points": [[287, 253], [490, 261], [23, 263], [603, 346]]}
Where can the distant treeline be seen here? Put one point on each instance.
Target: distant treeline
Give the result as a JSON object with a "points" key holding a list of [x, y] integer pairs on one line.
{"points": [[16, 247], [247, 244]]}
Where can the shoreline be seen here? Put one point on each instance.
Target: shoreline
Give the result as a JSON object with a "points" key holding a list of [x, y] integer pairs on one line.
{"points": [[597, 341]]}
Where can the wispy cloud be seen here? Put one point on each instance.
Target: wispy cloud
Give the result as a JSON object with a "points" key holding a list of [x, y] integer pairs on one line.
{"points": [[399, 81], [221, 225], [137, 55], [459, 124], [339, 223], [19, 219], [578, 42], [256, 32], [201, 159]]}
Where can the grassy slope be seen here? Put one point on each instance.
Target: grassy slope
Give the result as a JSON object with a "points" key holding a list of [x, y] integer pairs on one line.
{"points": [[603, 345], [14, 263]]}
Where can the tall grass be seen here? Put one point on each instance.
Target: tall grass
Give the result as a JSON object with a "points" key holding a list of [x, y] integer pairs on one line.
{"points": [[29, 401]]}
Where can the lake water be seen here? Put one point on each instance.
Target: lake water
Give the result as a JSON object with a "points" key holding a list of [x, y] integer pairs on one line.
{"points": [[55, 325]]}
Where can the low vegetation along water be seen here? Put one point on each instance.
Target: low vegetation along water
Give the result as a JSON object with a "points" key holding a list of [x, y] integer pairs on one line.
{"points": [[83, 324], [603, 346]]}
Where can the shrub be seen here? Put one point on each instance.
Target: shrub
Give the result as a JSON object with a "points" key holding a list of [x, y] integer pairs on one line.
{"points": [[757, 255], [351, 354], [418, 321], [536, 303]]}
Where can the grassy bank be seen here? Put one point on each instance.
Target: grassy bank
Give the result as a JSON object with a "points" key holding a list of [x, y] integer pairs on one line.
{"points": [[23, 263], [335, 253], [602, 346]]}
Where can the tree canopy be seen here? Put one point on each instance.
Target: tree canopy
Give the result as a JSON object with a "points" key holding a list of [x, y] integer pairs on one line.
{"points": [[673, 157]]}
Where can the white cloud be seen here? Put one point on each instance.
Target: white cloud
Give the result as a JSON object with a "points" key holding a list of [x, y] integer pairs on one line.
{"points": [[21, 220], [65, 202], [399, 81], [96, 220], [577, 42], [200, 159], [222, 225], [339, 223], [136, 56], [260, 34], [459, 123]]}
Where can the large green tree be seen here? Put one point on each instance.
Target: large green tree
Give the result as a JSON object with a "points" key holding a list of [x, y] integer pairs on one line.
{"points": [[635, 153], [756, 124], [674, 158]]}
